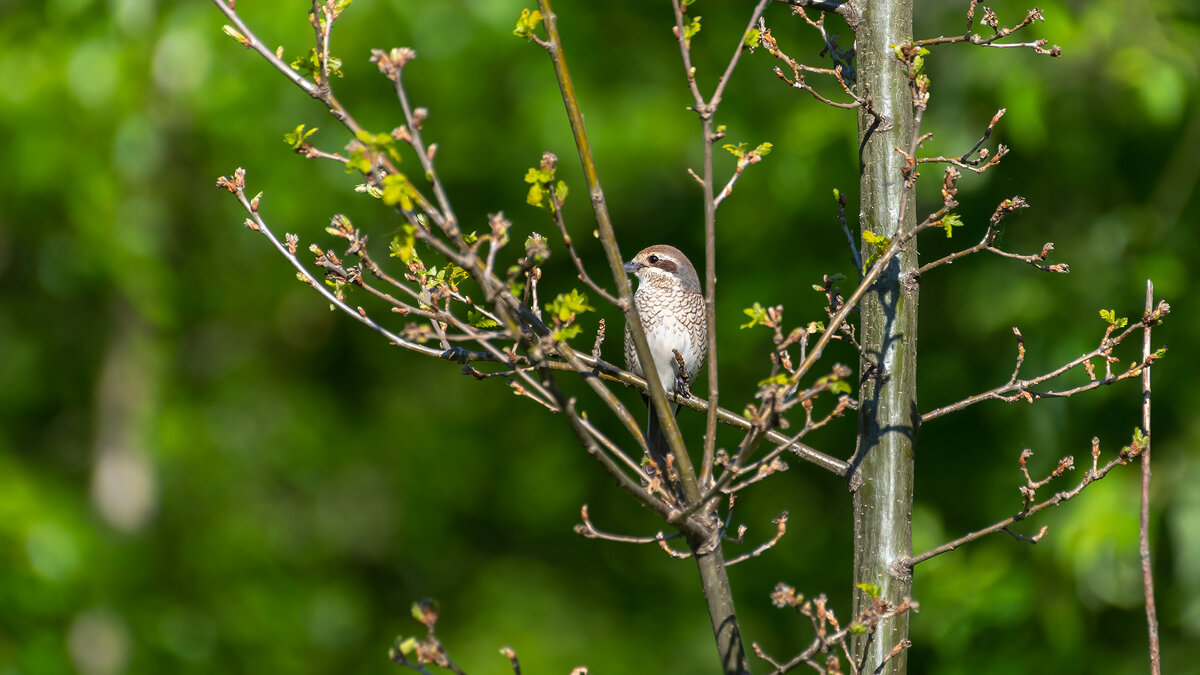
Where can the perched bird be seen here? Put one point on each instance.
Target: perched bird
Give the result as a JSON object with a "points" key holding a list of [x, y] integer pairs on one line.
{"points": [[671, 306]]}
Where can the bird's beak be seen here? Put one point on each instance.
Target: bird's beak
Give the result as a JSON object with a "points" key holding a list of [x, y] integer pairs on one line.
{"points": [[632, 267]]}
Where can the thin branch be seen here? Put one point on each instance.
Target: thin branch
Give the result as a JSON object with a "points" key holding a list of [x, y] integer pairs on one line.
{"points": [[612, 252], [414, 138], [998, 33], [829, 632], [1090, 476], [715, 100], [893, 249], [560, 220], [1144, 519], [780, 530], [236, 185], [1015, 390], [855, 256], [588, 530], [987, 243], [250, 41]]}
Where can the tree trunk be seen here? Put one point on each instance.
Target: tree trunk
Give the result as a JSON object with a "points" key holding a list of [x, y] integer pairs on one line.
{"points": [[714, 579], [881, 474]]}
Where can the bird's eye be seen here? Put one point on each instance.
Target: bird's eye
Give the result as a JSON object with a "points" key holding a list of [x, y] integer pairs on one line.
{"points": [[653, 259]]}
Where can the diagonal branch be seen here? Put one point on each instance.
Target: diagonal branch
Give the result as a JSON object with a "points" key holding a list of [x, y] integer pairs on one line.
{"points": [[1092, 475]]}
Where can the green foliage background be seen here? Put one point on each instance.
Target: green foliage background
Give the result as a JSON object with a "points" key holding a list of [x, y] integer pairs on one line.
{"points": [[203, 469]]}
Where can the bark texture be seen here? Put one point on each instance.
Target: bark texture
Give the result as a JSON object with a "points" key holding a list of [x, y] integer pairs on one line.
{"points": [[881, 474]]}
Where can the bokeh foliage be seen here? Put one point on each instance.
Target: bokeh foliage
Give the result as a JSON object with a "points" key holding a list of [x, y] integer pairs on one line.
{"points": [[204, 469]]}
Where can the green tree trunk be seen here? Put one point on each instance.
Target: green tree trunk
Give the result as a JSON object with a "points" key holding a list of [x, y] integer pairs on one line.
{"points": [[881, 474]]}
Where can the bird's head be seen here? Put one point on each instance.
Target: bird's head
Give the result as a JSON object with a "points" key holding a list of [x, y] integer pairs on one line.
{"points": [[664, 265]]}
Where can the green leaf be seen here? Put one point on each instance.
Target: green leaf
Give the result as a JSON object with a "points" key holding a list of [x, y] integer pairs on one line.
{"points": [[780, 379], [763, 149], [872, 590], [340, 289], [540, 184], [358, 162], [298, 137], [857, 628], [1111, 317], [564, 307], [516, 286], [398, 190], [470, 238], [950, 222], [382, 142], [310, 64], [535, 175], [456, 273], [404, 243], [878, 241], [752, 37], [479, 320], [408, 647], [835, 384], [536, 195], [527, 23], [738, 150], [567, 332], [690, 30], [757, 314]]}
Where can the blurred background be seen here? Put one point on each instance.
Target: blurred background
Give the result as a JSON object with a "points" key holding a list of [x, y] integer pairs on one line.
{"points": [[204, 469]]}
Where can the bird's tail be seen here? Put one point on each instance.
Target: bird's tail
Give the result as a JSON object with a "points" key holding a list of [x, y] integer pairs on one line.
{"points": [[656, 439]]}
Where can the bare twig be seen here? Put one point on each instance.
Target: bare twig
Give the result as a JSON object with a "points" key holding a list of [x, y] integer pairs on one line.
{"points": [[780, 530], [1029, 508], [987, 243], [1020, 390], [829, 632], [998, 33], [588, 530]]}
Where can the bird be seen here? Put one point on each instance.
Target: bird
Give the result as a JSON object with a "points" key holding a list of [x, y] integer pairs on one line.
{"points": [[670, 304]]}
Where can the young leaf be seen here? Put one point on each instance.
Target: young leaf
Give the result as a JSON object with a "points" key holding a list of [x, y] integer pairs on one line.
{"points": [[950, 222], [404, 243], [536, 195], [358, 162], [738, 150], [299, 137], [757, 314], [690, 30], [564, 307], [479, 320], [836, 384], [567, 332], [872, 590], [527, 23], [1111, 317], [398, 190]]}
